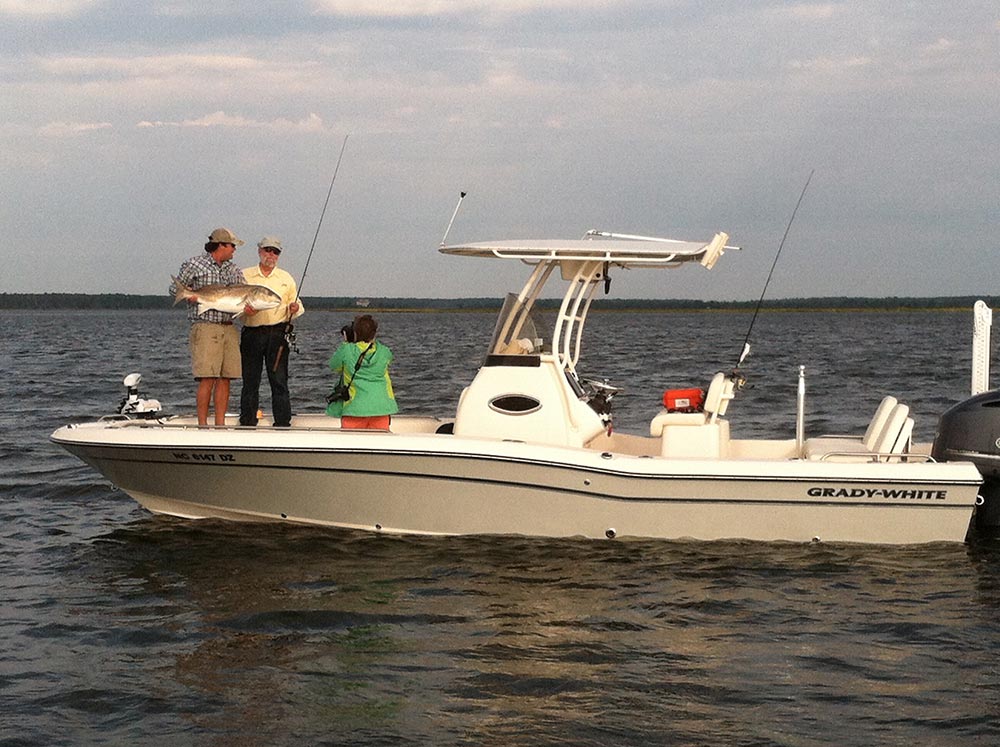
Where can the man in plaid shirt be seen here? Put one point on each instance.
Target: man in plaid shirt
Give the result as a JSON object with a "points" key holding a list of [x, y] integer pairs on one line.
{"points": [[215, 343]]}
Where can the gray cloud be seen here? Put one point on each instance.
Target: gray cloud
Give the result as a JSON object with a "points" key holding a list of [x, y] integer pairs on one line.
{"points": [[669, 118]]}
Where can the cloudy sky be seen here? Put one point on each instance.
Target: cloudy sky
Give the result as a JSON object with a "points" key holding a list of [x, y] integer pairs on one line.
{"points": [[128, 130]]}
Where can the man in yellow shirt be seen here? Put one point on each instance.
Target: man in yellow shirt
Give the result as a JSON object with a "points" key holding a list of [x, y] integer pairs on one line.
{"points": [[262, 342]]}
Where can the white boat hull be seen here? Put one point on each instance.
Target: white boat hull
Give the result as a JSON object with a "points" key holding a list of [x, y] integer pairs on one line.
{"points": [[420, 482]]}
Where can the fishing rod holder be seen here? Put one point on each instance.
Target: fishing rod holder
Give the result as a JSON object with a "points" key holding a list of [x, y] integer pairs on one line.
{"points": [[800, 413]]}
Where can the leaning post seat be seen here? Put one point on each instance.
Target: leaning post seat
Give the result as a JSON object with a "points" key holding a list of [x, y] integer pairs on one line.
{"points": [[697, 434]]}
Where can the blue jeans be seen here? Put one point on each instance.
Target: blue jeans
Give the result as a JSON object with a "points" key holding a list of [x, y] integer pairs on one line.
{"points": [[259, 347]]}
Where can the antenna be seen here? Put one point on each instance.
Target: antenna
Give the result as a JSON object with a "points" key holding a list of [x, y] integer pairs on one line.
{"points": [[461, 196]]}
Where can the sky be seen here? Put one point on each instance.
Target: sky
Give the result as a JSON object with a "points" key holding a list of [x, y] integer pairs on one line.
{"points": [[129, 130]]}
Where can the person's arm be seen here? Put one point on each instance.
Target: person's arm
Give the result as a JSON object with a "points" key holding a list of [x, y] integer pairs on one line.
{"points": [[337, 359], [295, 307]]}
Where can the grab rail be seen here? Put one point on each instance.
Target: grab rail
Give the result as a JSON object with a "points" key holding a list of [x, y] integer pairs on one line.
{"points": [[879, 456]]}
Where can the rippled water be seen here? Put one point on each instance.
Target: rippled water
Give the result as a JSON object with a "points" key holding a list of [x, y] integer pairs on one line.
{"points": [[119, 627]]}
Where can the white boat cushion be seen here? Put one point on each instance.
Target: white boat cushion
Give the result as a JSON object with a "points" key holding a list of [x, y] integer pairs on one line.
{"points": [[903, 439], [817, 448], [887, 438], [665, 418], [713, 398], [719, 394], [878, 421]]}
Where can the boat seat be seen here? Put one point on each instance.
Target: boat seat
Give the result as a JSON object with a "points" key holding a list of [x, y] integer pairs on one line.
{"points": [[697, 434], [903, 441], [665, 418], [878, 421], [889, 432], [816, 447], [886, 439], [720, 392]]}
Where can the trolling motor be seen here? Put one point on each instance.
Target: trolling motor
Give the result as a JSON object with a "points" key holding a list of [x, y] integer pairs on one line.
{"points": [[132, 405]]}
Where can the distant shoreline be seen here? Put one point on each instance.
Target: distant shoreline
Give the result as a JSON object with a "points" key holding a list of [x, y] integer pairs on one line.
{"points": [[86, 301]]}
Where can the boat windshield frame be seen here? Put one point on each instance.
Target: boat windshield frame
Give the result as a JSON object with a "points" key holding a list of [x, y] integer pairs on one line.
{"points": [[520, 329]]}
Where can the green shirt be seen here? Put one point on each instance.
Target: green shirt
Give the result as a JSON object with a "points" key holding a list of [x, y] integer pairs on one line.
{"points": [[370, 387]]}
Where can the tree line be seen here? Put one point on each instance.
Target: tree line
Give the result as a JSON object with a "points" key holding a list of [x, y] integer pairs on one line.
{"points": [[85, 301]]}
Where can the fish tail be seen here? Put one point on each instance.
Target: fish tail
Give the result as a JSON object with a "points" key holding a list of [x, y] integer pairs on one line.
{"points": [[182, 290]]}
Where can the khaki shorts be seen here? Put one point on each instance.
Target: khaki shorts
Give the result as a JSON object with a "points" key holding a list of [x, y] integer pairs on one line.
{"points": [[215, 351]]}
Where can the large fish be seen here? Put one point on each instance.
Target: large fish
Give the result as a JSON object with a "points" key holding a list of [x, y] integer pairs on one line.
{"points": [[229, 298]]}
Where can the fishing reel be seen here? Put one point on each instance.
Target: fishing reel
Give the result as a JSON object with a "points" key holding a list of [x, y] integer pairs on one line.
{"points": [[290, 340], [738, 379], [132, 405]]}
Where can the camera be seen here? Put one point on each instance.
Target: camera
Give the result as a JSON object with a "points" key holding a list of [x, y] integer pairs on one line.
{"points": [[340, 393], [348, 332]]}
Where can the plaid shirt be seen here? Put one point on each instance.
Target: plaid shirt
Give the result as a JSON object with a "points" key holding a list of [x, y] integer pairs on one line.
{"points": [[200, 271]]}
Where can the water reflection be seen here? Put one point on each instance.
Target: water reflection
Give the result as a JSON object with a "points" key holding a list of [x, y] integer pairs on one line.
{"points": [[262, 632]]}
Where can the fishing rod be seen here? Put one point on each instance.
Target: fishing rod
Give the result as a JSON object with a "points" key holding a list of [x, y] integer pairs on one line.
{"points": [[746, 342], [289, 334]]}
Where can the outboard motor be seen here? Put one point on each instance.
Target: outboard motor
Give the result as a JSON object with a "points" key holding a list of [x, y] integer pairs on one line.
{"points": [[133, 406], [970, 432]]}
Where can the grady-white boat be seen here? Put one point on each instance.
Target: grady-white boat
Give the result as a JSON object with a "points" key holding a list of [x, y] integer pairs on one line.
{"points": [[530, 449]]}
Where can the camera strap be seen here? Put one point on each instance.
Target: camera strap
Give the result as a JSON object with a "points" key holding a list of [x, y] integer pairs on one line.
{"points": [[361, 360]]}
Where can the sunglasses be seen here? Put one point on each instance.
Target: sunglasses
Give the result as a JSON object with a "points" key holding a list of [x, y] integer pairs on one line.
{"points": [[271, 249]]}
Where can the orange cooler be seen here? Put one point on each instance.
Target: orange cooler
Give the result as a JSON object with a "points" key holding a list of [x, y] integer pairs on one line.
{"points": [[683, 400]]}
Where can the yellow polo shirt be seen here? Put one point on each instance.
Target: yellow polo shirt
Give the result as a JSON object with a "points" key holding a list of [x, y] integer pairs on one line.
{"points": [[281, 283]]}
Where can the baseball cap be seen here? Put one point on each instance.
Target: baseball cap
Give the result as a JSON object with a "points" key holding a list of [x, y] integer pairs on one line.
{"points": [[225, 236], [270, 241]]}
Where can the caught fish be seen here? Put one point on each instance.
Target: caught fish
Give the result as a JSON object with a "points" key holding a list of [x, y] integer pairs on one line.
{"points": [[229, 298]]}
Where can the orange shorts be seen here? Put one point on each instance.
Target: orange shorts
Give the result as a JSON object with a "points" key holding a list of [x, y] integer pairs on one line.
{"points": [[373, 422]]}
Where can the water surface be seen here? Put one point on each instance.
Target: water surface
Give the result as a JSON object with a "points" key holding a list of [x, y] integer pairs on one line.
{"points": [[120, 627]]}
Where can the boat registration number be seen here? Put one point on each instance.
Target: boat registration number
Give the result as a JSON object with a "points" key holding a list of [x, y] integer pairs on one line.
{"points": [[200, 456]]}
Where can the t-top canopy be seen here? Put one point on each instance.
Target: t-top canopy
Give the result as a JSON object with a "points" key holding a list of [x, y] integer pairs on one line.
{"points": [[625, 252]]}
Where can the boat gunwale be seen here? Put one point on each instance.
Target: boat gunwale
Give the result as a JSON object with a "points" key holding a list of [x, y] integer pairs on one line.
{"points": [[577, 466]]}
